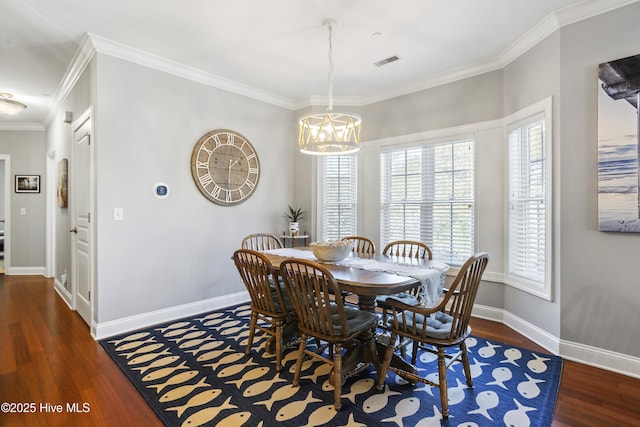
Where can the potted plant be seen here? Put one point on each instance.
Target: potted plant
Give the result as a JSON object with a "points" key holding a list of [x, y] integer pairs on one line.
{"points": [[294, 215]]}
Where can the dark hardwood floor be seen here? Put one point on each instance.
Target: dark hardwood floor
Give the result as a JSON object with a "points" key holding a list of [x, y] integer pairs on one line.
{"points": [[48, 357]]}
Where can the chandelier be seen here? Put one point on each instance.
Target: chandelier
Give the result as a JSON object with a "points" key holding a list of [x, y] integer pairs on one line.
{"points": [[8, 106], [329, 133]]}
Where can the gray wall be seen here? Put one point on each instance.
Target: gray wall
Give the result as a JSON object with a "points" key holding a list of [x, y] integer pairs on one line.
{"points": [[178, 250], [462, 102], [27, 151], [600, 271]]}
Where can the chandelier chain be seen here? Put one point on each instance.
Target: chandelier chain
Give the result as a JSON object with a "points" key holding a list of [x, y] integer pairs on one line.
{"points": [[330, 76]]}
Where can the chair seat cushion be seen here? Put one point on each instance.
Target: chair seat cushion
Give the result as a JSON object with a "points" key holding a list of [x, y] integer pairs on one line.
{"points": [[405, 297], [357, 320], [288, 305], [438, 325]]}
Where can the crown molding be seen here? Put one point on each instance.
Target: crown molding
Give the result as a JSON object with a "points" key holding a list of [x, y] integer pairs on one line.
{"points": [[78, 64], [435, 81], [314, 101], [92, 43], [118, 50], [588, 9]]}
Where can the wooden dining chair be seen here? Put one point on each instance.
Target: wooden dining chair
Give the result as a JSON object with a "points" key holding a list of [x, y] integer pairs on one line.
{"points": [[271, 308], [404, 249], [311, 288], [440, 327], [261, 242], [362, 245], [408, 249]]}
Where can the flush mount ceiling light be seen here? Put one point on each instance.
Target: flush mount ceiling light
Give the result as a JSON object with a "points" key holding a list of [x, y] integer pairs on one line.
{"points": [[8, 106], [329, 133]]}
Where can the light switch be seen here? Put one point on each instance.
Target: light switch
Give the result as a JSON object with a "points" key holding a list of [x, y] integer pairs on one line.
{"points": [[23, 211], [118, 214]]}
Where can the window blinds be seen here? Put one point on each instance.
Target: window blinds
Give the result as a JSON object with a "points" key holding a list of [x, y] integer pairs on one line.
{"points": [[527, 201], [427, 194], [339, 196]]}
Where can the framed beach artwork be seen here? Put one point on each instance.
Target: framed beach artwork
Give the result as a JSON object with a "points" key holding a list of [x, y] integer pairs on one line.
{"points": [[618, 143]]}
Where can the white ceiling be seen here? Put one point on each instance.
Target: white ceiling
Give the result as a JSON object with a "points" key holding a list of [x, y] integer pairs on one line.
{"points": [[279, 47]]}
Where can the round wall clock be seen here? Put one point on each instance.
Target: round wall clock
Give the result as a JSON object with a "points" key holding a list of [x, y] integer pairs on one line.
{"points": [[225, 167]]}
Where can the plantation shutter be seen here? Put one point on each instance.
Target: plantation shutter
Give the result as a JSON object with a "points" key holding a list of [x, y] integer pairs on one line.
{"points": [[427, 195], [527, 201], [339, 200]]}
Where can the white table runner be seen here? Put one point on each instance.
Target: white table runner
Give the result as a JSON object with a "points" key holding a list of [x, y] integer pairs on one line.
{"points": [[431, 276]]}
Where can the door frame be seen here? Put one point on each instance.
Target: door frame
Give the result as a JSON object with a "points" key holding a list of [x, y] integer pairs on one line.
{"points": [[77, 123], [8, 187]]}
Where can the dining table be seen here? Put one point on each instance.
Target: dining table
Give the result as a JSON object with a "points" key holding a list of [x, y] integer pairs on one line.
{"points": [[369, 276]]}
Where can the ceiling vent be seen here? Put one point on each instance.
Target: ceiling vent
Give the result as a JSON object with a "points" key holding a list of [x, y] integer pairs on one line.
{"points": [[386, 60]]}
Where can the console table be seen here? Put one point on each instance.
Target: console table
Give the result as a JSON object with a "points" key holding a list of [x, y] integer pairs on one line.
{"points": [[289, 238]]}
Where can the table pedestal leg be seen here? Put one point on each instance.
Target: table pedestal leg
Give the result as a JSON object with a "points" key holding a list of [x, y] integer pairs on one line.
{"points": [[368, 303], [289, 331]]}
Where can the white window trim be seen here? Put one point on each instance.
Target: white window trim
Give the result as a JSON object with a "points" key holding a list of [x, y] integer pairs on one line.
{"points": [[543, 290]]}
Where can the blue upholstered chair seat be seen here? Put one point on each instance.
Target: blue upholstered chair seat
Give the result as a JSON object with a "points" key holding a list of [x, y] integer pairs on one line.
{"points": [[405, 297], [438, 326]]}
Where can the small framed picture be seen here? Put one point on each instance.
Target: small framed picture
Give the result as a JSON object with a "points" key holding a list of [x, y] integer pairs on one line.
{"points": [[27, 183]]}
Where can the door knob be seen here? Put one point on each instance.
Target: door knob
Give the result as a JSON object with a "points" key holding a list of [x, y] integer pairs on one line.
{"points": [[73, 230]]}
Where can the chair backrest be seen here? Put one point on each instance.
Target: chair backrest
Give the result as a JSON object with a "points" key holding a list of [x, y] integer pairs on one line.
{"points": [[311, 288], [408, 248], [362, 245], [261, 242], [462, 293], [259, 277], [413, 320]]}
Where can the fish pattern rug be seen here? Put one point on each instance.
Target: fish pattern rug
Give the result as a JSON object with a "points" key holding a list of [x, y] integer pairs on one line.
{"points": [[195, 372]]}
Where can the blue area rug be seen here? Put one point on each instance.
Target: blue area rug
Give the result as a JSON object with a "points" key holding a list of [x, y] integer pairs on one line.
{"points": [[194, 372]]}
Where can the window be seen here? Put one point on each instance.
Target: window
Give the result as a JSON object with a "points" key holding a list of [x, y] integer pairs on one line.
{"points": [[427, 194], [339, 196], [529, 229]]}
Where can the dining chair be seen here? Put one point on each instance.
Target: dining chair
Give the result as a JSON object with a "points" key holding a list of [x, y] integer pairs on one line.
{"points": [[362, 245], [336, 326], [271, 308], [440, 327], [261, 242], [408, 249]]}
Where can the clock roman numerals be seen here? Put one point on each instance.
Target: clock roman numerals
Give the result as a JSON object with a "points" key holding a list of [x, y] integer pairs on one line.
{"points": [[206, 179], [216, 191], [216, 139]]}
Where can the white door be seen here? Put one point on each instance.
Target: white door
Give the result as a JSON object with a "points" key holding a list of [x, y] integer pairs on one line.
{"points": [[81, 218]]}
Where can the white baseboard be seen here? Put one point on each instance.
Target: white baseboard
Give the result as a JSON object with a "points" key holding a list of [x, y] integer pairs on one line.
{"points": [[26, 271], [116, 327], [64, 293], [588, 355], [600, 358]]}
